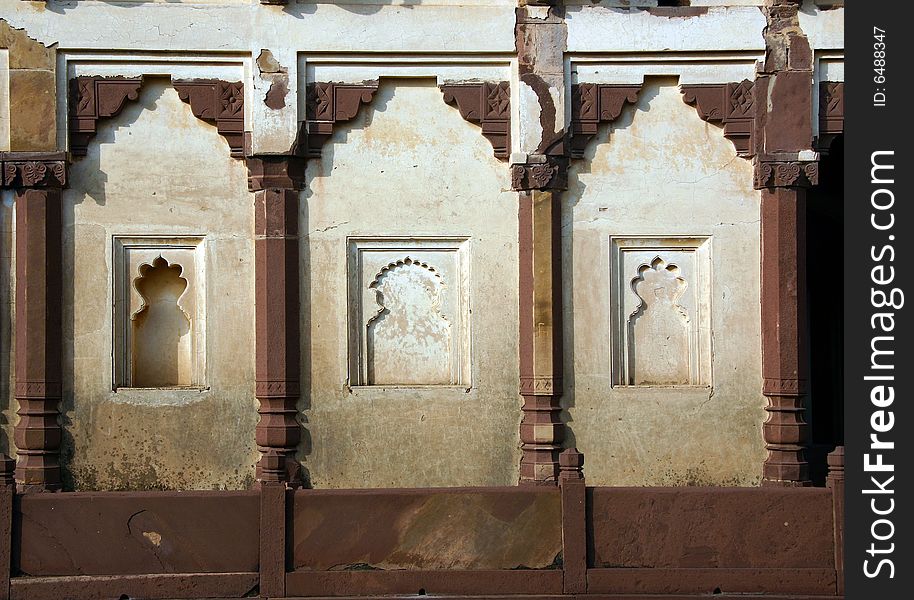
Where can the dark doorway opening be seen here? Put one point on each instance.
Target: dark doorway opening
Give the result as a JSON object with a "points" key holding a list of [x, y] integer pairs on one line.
{"points": [[825, 286]]}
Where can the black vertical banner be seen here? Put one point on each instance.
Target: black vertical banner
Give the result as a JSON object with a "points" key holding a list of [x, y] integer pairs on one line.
{"points": [[879, 300]]}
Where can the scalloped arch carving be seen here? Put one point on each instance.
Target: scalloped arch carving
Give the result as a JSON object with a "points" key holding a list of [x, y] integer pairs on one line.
{"points": [[408, 338], [660, 327], [409, 312], [161, 337]]}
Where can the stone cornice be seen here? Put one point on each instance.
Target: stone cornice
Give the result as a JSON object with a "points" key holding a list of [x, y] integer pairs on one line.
{"points": [[275, 172]]}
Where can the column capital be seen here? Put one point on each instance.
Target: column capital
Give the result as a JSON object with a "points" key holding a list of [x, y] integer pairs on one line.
{"points": [[271, 171], [539, 172], [773, 172], [33, 169]]}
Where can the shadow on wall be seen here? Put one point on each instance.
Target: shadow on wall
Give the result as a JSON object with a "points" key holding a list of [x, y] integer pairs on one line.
{"points": [[292, 8], [664, 178], [387, 162], [570, 199], [87, 170], [156, 445], [362, 120], [8, 405]]}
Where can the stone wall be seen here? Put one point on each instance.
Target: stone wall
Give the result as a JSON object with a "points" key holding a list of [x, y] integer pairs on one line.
{"points": [[490, 267]]}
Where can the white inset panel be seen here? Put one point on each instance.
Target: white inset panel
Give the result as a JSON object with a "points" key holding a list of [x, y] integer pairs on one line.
{"points": [[661, 301], [408, 312]]}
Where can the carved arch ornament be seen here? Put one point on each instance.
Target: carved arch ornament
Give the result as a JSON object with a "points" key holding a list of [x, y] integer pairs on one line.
{"points": [[93, 98], [662, 327], [731, 105], [140, 302], [487, 104], [408, 328]]}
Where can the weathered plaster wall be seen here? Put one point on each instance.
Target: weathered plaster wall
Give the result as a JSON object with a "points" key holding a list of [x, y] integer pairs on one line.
{"points": [[27, 90], [156, 169], [663, 172], [409, 165]]}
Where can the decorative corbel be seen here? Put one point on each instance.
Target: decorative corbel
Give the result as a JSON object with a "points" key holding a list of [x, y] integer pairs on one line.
{"points": [[729, 104], [93, 98], [831, 111], [595, 103], [330, 103], [33, 169], [487, 104], [785, 173], [219, 102], [540, 173]]}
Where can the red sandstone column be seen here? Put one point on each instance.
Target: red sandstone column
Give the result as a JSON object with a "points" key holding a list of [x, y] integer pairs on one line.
{"points": [[541, 429], [784, 361], [38, 337], [276, 181], [785, 166]]}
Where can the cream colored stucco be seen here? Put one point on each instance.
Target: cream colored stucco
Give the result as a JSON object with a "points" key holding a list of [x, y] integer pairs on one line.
{"points": [[661, 171], [409, 165], [157, 170]]}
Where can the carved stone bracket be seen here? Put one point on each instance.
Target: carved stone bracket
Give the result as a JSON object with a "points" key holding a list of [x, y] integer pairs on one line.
{"points": [[831, 111], [331, 103], [93, 98], [729, 104], [770, 174], [593, 104], [489, 105], [540, 173], [219, 102], [28, 170]]}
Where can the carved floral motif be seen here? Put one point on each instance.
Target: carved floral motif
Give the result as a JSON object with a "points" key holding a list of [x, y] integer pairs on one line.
{"points": [[30, 170], [786, 174], [551, 174]]}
